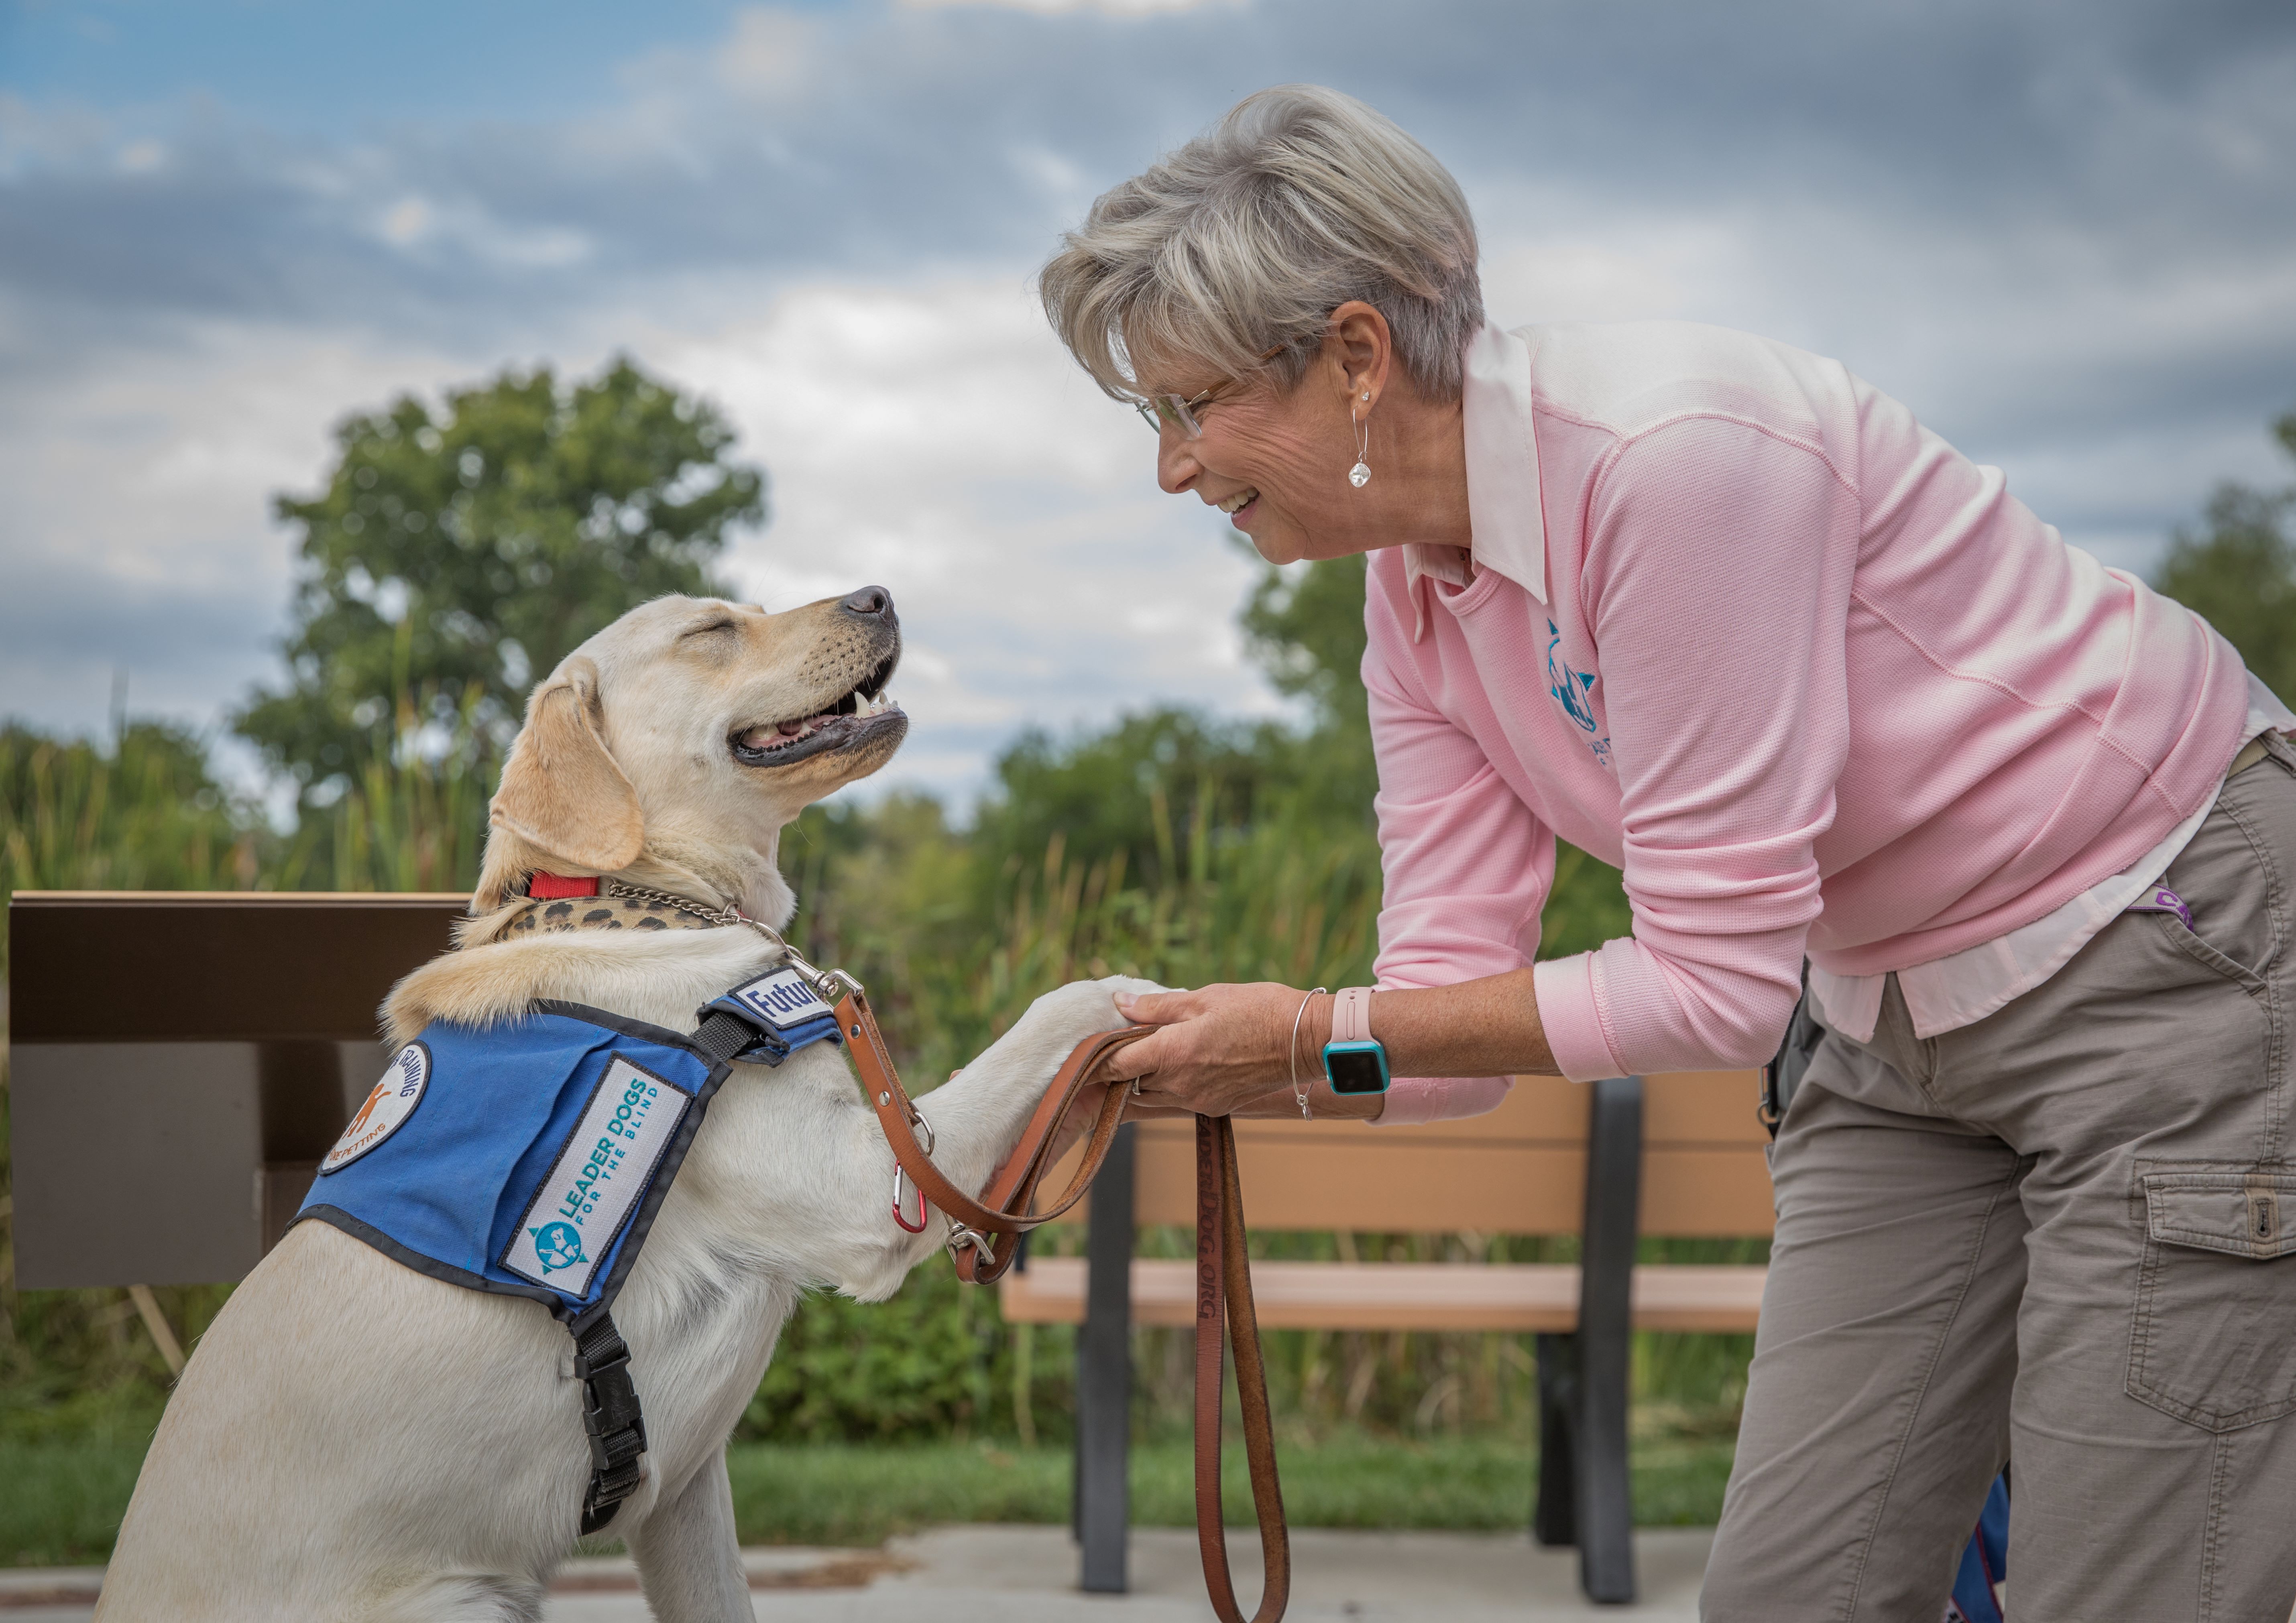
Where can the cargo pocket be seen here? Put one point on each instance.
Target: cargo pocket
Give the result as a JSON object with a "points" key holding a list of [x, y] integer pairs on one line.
{"points": [[2214, 1340]]}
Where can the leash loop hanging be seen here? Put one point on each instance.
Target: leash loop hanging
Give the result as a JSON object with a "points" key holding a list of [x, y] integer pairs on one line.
{"points": [[1224, 1301]]}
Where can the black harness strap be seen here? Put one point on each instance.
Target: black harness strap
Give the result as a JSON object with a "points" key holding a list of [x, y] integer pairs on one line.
{"points": [[722, 1035], [612, 1417]]}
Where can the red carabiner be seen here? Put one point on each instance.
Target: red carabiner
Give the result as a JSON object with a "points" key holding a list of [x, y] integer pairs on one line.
{"points": [[918, 1227], [900, 1174]]}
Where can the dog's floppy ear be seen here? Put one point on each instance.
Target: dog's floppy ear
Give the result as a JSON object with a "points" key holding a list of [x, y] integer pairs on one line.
{"points": [[562, 791]]}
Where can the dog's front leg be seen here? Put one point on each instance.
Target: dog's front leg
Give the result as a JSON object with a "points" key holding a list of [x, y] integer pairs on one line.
{"points": [[689, 1560], [978, 1115], [805, 1167]]}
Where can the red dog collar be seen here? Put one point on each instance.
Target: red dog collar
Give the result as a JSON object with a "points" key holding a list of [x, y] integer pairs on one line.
{"points": [[557, 887]]}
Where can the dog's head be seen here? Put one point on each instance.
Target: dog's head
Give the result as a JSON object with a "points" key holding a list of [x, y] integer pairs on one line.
{"points": [[679, 740]]}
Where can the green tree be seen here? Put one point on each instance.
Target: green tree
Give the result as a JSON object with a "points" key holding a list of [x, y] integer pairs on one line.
{"points": [[453, 556], [2239, 572], [1305, 628], [1145, 787]]}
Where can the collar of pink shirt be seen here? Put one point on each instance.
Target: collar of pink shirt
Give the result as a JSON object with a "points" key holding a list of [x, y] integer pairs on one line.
{"points": [[1503, 511]]}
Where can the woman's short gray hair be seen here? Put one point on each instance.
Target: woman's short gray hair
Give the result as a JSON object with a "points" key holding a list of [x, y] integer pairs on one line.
{"points": [[1248, 237]]}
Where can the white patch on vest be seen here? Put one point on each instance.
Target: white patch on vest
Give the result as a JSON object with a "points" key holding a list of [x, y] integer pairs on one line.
{"points": [[783, 999], [386, 1109], [584, 1199]]}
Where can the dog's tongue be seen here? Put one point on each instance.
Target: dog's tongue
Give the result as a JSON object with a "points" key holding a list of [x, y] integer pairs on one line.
{"points": [[759, 737]]}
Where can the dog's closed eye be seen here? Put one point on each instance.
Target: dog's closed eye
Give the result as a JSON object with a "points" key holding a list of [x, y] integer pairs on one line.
{"points": [[707, 628]]}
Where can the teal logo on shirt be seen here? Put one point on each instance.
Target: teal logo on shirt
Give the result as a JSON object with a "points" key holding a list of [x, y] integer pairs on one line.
{"points": [[1574, 690]]}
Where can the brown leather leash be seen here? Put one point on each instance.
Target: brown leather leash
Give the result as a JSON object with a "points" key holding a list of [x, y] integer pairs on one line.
{"points": [[1223, 1290], [984, 1238]]}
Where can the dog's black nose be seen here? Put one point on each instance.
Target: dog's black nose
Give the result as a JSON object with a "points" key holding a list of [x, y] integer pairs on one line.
{"points": [[874, 601]]}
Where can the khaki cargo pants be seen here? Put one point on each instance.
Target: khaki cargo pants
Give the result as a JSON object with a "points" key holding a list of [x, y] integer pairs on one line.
{"points": [[2063, 1237]]}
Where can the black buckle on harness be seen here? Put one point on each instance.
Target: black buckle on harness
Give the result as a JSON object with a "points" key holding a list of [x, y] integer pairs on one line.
{"points": [[610, 1418]]}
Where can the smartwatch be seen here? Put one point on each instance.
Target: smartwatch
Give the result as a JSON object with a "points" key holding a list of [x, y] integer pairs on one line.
{"points": [[1354, 1062]]}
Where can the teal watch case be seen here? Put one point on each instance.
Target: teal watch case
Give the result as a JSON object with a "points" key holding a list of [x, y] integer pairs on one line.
{"points": [[1356, 1068]]}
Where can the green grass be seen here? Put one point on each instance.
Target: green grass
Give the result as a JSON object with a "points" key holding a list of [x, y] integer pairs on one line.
{"points": [[843, 1494], [60, 1501], [847, 1494]]}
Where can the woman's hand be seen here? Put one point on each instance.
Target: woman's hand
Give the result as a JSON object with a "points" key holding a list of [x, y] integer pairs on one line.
{"points": [[1228, 1050]]}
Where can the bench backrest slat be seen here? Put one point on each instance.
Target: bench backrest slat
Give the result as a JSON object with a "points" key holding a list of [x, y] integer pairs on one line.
{"points": [[1519, 1170]]}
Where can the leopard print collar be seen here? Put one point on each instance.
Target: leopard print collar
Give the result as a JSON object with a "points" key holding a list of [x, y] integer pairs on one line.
{"points": [[612, 912]]}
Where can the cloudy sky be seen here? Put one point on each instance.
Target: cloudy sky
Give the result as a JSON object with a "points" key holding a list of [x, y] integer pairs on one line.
{"points": [[2065, 232]]}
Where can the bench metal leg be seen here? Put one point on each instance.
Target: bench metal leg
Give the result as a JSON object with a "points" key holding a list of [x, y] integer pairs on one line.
{"points": [[1604, 1488], [1585, 1490], [1103, 1402], [1555, 1521]]}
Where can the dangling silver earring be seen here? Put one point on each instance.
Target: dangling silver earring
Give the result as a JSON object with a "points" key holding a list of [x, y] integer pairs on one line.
{"points": [[1360, 474]]}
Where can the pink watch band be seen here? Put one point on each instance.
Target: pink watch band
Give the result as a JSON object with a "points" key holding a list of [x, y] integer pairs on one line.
{"points": [[1351, 1015]]}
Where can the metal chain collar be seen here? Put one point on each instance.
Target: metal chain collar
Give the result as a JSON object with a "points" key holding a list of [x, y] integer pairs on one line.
{"points": [[826, 983]]}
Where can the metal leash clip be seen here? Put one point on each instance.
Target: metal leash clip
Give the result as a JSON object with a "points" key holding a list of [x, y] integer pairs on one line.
{"points": [[901, 1176], [960, 1236], [828, 984]]}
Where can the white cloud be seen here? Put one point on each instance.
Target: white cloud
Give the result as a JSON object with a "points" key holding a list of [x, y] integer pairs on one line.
{"points": [[138, 536], [929, 437], [407, 222], [419, 226], [934, 439], [770, 50]]}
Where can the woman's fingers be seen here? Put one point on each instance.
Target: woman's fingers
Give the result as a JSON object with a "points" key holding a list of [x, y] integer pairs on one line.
{"points": [[1159, 1008], [1146, 1057], [1215, 1049]]}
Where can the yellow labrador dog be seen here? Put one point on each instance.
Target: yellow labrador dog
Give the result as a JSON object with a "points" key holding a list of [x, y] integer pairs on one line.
{"points": [[354, 1439]]}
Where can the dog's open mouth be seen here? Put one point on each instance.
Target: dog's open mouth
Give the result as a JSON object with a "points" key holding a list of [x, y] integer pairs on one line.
{"points": [[863, 714]]}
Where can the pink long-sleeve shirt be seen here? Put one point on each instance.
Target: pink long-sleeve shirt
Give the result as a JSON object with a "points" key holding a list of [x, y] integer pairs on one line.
{"points": [[1735, 622]]}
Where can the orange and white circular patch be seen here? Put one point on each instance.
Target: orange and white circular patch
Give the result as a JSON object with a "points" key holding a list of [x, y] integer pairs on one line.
{"points": [[386, 1109]]}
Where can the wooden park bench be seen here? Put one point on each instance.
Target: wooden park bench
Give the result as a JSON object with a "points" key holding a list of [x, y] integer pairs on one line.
{"points": [[1671, 1155], [179, 1062]]}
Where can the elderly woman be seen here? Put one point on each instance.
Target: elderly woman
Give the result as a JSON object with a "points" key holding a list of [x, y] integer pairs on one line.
{"points": [[1723, 614]]}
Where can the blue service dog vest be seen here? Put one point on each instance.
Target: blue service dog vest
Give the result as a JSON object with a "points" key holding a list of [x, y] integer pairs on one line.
{"points": [[529, 1158]]}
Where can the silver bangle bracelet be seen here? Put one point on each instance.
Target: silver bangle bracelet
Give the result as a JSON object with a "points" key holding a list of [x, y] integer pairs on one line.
{"points": [[1299, 1093]]}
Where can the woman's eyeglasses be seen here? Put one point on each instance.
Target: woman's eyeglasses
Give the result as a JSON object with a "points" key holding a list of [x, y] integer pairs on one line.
{"points": [[1181, 410], [1157, 410]]}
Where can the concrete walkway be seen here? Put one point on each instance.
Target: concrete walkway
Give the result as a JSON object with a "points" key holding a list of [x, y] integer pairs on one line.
{"points": [[1027, 1574]]}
